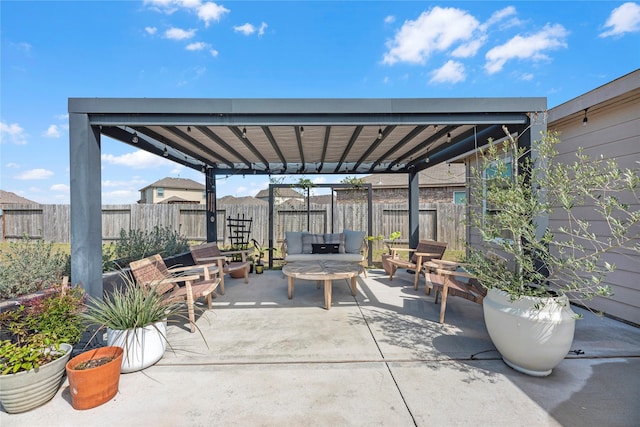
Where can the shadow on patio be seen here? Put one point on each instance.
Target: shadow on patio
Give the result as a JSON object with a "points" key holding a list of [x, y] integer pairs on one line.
{"points": [[380, 358]]}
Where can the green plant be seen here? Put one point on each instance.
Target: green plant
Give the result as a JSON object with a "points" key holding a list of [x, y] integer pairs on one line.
{"points": [[29, 266], [129, 307], [137, 244], [31, 334], [586, 195]]}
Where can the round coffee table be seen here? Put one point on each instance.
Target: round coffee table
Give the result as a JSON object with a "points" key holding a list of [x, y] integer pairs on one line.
{"points": [[322, 271]]}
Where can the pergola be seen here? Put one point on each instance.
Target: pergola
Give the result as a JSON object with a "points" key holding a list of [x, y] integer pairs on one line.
{"points": [[275, 137]]}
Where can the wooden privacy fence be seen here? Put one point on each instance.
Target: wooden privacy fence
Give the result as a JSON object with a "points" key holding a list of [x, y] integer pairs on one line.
{"points": [[438, 221]]}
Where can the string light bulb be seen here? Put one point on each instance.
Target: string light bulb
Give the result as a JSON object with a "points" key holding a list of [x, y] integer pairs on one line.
{"points": [[448, 136], [188, 128], [165, 153], [244, 133], [379, 133], [135, 138], [585, 119], [301, 131]]}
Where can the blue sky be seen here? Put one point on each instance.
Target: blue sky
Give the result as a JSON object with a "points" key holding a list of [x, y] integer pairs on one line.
{"points": [[53, 50]]}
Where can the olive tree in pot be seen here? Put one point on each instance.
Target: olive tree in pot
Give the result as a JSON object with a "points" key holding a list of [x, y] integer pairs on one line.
{"points": [[536, 269]]}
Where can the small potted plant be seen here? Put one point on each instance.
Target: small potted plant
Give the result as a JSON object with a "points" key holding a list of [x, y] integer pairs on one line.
{"points": [[531, 271], [36, 341], [388, 242]]}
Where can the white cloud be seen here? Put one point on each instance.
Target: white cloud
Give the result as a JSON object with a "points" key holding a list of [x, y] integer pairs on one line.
{"points": [[526, 77], [120, 197], [319, 180], [499, 16], [210, 11], [451, 72], [15, 133], [207, 11], [151, 30], [134, 183], [248, 29], [623, 19], [59, 187], [64, 117], [174, 33], [433, 31], [137, 160], [390, 19], [35, 174], [531, 47], [52, 132], [11, 165], [470, 49], [197, 46], [214, 52]]}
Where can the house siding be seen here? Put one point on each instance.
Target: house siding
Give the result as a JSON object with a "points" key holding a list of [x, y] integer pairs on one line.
{"points": [[613, 132]]}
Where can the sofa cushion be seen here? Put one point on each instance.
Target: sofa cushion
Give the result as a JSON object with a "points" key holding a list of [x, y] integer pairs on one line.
{"points": [[336, 238], [324, 257], [353, 241], [294, 241], [308, 240]]}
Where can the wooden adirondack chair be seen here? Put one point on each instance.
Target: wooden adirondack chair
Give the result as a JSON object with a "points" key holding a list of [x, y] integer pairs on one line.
{"points": [[208, 253], [154, 274], [426, 250]]}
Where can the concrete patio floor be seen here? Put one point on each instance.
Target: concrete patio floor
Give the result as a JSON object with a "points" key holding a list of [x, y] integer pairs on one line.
{"points": [[380, 358]]}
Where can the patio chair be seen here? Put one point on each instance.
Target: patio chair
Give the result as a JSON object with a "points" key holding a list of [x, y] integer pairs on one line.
{"points": [[426, 250], [449, 278], [152, 272], [208, 253]]}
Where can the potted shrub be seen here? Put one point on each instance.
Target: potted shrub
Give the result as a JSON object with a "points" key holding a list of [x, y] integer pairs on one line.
{"points": [[388, 242], [36, 341], [94, 376], [535, 269], [135, 318]]}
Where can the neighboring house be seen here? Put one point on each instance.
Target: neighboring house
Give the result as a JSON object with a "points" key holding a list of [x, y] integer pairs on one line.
{"points": [[612, 130], [280, 195], [9, 198], [173, 191], [443, 183]]}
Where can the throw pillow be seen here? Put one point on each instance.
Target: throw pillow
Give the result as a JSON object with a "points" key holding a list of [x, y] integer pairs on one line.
{"points": [[353, 241], [308, 240], [294, 241], [336, 238]]}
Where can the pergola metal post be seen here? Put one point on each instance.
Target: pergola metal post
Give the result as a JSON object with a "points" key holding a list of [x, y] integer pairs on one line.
{"points": [[271, 217], [86, 205], [210, 188], [414, 209]]}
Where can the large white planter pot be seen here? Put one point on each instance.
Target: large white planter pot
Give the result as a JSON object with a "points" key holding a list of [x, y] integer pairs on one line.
{"points": [[26, 390], [142, 347], [531, 340]]}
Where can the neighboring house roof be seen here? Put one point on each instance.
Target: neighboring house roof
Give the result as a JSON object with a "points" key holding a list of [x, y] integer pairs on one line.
{"points": [[246, 200], [178, 183], [178, 200], [279, 192], [441, 175], [9, 198]]}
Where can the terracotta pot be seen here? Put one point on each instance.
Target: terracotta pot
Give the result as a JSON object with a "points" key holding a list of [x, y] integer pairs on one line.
{"points": [[385, 263], [94, 386]]}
